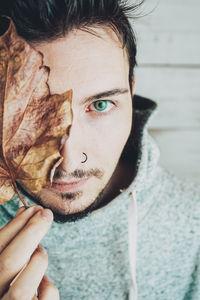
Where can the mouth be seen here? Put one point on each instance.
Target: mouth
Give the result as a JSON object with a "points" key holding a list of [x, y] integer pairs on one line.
{"points": [[68, 186]]}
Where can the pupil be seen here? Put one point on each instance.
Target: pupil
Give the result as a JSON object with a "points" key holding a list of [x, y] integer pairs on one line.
{"points": [[100, 105]]}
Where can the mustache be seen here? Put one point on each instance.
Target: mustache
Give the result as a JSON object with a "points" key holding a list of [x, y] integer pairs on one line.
{"points": [[78, 173]]}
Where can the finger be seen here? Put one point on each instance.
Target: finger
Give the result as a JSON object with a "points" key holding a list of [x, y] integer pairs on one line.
{"points": [[8, 232], [27, 283], [47, 290], [20, 210], [18, 252]]}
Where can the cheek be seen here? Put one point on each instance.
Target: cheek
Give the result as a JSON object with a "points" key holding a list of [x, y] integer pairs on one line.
{"points": [[108, 138]]}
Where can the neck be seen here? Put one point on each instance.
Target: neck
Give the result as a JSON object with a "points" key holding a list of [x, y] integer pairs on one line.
{"points": [[121, 179]]}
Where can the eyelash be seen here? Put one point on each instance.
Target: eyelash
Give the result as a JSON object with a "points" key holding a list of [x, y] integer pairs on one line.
{"points": [[100, 112]]}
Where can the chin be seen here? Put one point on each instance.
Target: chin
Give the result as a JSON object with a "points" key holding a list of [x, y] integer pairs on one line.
{"points": [[68, 207], [74, 199]]}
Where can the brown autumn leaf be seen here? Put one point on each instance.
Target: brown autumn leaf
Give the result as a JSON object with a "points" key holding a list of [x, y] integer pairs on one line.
{"points": [[32, 122]]}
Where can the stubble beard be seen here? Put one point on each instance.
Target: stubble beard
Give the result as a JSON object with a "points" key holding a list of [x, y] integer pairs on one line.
{"points": [[67, 218]]}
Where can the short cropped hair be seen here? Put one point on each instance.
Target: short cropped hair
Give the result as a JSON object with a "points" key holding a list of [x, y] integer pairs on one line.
{"points": [[46, 20]]}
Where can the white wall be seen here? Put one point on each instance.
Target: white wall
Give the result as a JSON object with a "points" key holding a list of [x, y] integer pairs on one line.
{"points": [[169, 73]]}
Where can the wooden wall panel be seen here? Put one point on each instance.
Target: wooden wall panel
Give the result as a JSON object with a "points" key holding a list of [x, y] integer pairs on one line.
{"points": [[177, 92], [169, 72], [170, 34], [179, 151]]}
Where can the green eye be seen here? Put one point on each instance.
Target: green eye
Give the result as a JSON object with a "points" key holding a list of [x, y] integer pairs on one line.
{"points": [[100, 105]]}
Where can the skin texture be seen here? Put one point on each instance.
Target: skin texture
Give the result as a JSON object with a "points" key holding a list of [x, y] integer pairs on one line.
{"points": [[88, 65]]}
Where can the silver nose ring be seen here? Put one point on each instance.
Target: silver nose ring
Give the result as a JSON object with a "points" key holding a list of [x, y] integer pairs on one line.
{"points": [[85, 158]]}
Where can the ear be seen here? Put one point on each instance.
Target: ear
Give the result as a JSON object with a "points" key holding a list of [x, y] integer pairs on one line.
{"points": [[133, 84]]}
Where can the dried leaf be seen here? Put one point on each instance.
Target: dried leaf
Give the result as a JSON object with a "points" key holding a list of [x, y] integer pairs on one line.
{"points": [[32, 122]]}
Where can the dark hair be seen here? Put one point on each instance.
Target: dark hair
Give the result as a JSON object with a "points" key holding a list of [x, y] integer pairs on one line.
{"points": [[47, 20]]}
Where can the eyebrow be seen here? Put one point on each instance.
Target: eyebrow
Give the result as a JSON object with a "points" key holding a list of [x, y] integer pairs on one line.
{"points": [[114, 92]]}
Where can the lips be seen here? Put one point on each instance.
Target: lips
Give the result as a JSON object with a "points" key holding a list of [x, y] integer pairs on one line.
{"points": [[68, 186]]}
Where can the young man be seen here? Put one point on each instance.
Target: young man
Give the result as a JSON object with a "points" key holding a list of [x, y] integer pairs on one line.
{"points": [[109, 162]]}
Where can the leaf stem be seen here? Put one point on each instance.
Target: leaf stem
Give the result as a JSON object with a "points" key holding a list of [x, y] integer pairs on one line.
{"points": [[20, 196]]}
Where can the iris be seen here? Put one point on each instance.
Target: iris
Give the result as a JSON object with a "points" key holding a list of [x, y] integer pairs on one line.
{"points": [[101, 105]]}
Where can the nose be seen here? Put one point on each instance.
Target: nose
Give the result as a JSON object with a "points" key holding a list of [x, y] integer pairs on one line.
{"points": [[73, 150]]}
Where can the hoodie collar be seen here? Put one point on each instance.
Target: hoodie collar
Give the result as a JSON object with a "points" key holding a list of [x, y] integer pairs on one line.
{"points": [[143, 147], [145, 153]]}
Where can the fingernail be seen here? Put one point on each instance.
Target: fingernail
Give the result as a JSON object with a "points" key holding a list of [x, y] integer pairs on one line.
{"points": [[47, 214]]}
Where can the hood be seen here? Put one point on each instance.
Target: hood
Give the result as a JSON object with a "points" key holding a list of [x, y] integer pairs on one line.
{"points": [[141, 150]]}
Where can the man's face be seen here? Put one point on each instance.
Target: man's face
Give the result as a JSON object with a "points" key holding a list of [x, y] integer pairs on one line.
{"points": [[90, 66]]}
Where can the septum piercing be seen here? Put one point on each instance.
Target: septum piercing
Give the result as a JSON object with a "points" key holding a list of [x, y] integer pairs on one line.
{"points": [[85, 158]]}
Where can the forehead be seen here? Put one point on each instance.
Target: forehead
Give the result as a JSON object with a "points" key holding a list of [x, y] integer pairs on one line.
{"points": [[86, 60]]}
